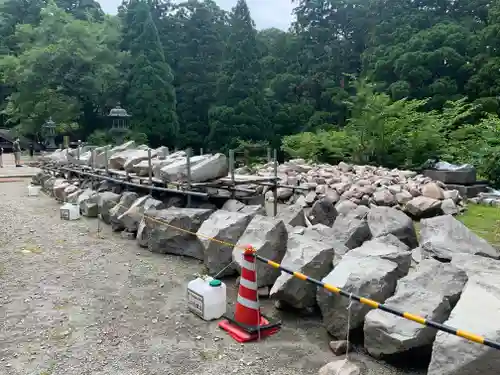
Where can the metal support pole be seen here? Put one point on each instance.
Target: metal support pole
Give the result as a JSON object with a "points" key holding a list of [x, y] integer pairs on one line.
{"points": [[188, 167], [201, 151], [150, 171], [269, 155], [275, 188], [92, 166], [106, 160], [231, 171]]}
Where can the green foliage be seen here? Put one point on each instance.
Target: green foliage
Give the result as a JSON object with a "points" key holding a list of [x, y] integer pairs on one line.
{"points": [[194, 75], [99, 138], [150, 92]]}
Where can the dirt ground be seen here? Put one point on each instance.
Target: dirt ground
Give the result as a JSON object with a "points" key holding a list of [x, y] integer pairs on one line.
{"points": [[72, 303]]}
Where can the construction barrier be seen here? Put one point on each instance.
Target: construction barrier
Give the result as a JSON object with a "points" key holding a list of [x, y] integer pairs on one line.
{"points": [[331, 288], [376, 305]]}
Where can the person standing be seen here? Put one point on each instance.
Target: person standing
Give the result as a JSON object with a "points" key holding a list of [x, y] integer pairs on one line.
{"points": [[16, 147], [1, 157], [32, 150]]}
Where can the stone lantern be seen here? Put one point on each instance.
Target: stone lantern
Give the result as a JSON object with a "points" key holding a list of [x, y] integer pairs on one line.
{"points": [[120, 123], [49, 132]]}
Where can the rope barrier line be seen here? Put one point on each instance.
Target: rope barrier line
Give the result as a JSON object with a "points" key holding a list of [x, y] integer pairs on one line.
{"points": [[331, 288], [376, 305]]}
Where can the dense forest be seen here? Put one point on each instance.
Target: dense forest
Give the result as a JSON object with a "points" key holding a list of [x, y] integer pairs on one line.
{"points": [[392, 82]]}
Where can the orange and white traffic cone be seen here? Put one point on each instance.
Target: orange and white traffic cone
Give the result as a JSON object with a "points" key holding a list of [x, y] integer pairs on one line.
{"points": [[248, 324]]}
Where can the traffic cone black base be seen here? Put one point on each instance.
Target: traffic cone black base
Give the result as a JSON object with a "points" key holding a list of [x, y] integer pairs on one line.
{"points": [[243, 333]]}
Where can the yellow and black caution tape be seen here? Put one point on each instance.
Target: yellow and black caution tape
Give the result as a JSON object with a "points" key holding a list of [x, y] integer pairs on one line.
{"points": [[331, 288], [376, 305]]}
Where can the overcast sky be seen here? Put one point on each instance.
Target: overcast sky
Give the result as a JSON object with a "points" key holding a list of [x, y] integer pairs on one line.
{"points": [[265, 13]]}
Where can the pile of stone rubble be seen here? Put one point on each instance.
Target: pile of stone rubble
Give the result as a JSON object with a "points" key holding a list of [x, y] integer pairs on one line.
{"points": [[449, 274], [305, 184], [415, 194], [492, 198]]}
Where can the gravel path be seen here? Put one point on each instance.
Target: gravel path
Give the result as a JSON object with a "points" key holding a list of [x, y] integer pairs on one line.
{"points": [[73, 303]]}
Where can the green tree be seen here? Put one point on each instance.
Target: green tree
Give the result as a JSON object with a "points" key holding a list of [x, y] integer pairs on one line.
{"points": [[64, 68], [150, 93]]}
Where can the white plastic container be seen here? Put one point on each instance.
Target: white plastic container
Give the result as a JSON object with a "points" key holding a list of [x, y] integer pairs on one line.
{"points": [[207, 298], [70, 211], [33, 190]]}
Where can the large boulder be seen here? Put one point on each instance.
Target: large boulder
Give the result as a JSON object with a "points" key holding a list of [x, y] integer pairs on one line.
{"points": [[136, 157], [372, 271], [322, 233], [170, 159], [269, 238], [105, 202], [444, 236], [173, 231], [233, 205], [292, 215], [58, 189], [423, 207], [323, 212], [477, 312], [133, 216], [126, 201], [73, 197], [351, 231], [211, 168], [475, 265], [432, 291], [227, 228], [177, 170], [118, 160], [312, 258], [102, 152], [70, 189], [88, 203], [387, 220]]}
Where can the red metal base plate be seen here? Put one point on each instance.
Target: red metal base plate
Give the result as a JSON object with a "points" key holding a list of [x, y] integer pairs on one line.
{"points": [[242, 336]]}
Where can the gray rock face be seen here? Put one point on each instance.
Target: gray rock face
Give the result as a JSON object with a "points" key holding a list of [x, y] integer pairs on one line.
{"points": [[232, 205], [322, 233], [352, 232], [323, 212], [477, 312], [387, 220], [73, 197], [371, 271], [176, 169], [254, 210], [269, 237], [58, 189], [227, 227], [143, 232], [475, 265], [292, 215], [312, 258], [88, 203], [105, 202], [449, 207], [432, 291], [165, 238], [444, 236], [126, 200], [422, 207], [133, 216], [211, 168], [345, 206]]}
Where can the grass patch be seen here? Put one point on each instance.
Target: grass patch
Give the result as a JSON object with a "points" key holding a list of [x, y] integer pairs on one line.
{"points": [[482, 220]]}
